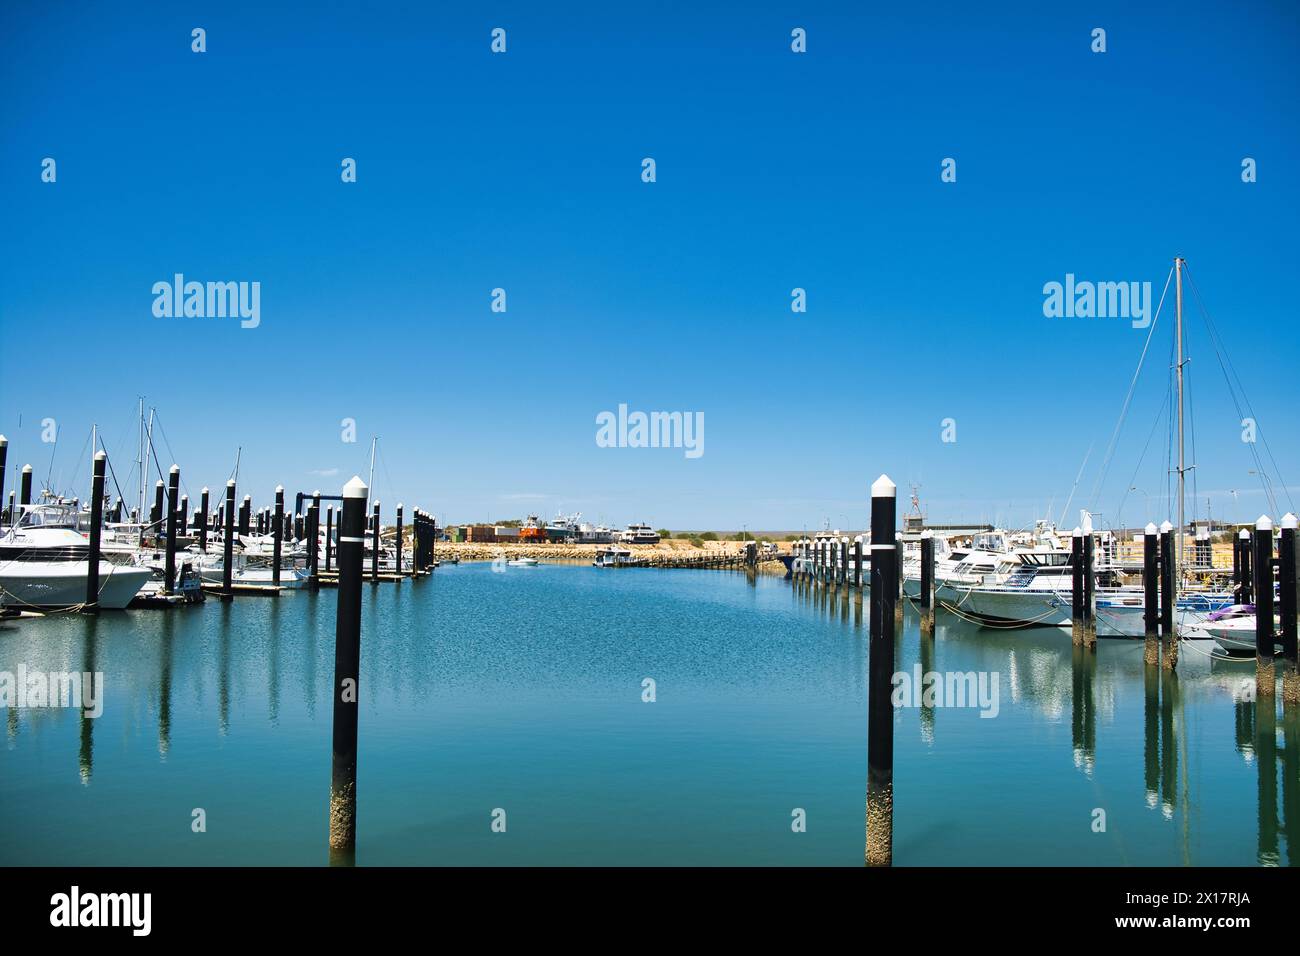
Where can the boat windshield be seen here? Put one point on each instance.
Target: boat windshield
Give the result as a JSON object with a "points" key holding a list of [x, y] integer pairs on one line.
{"points": [[47, 516]]}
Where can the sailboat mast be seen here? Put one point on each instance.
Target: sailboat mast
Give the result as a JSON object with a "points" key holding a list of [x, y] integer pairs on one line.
{"points": [[140, 453], [1178, 299], [373, 442]]}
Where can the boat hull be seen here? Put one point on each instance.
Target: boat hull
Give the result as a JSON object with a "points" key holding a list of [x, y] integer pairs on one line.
{"points": [[62, 584]]}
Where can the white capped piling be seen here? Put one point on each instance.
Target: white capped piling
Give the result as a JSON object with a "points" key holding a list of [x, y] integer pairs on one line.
{"points": [[1265, 674], [898, 582], [1288, 599], [880, 709], [1247, 583], [374, 554], [347, 668], [25, 486], [313, 539], [4, 458], [169, 560], [399, 538], [245, 516], [96, 523], [1089, 584], [203, 520], [927, 582], [156, 513], [1168, 598], [1076, 586], [228, 528], [1151, 593], [329, 535], [278, 532]]}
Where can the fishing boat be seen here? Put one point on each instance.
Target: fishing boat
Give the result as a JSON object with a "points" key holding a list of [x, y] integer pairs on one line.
{"points": [[532, 531], [44, 563], [522, 563], [617, 557], [562, 529]]}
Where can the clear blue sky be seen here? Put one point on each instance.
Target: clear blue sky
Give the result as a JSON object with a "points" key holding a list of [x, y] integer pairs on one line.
{"points": [[775, 170]]}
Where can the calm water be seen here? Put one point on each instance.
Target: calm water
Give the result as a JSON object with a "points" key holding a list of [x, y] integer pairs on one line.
{"points": [[523, 691]]}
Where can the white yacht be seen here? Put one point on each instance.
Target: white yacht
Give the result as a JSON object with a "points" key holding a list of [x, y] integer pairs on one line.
{"points": [[44, 559], [639, 534]]}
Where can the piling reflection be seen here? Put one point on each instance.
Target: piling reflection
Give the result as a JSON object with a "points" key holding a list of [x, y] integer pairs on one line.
{"points": [[165, 637], [1083, 709], [1169, 700], [927, 702], [1266, 765], [309, 645], [86, 730], [1291, 782], [223, 670], [274, 619]]}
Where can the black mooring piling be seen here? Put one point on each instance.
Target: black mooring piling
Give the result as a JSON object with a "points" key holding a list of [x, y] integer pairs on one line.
{"points": [[278, 532], [1265, 636], [25, 486], [246, 516], [156, 512], [96, 521], [329, 535], [203, 520], [398, 569], [1247, 573], [347, 668], [4, 458], [173, 493], [1168, 598], [927, 582], [1089, 586], [1151, 593], [228, 529], [1076, 586], [880, 709], [313, 542], [374, 554], [1288, 599]]}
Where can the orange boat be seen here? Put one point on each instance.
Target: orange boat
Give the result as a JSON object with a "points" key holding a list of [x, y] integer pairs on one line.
{"points": [[532, 530]]}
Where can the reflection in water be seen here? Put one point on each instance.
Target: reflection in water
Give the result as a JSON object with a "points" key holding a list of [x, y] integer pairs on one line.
{"points": [[89, 655], [309, 645], [1291, 782], [1083, 710], [1203, 744], [273, 654], [223, 670], [927, 704], [1168, 742], [1266, 762], [165, 682], [1151, 732], [1244, 714]]}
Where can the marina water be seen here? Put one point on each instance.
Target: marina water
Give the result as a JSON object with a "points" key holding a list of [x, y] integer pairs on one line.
{"points": [[524, 692]]}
